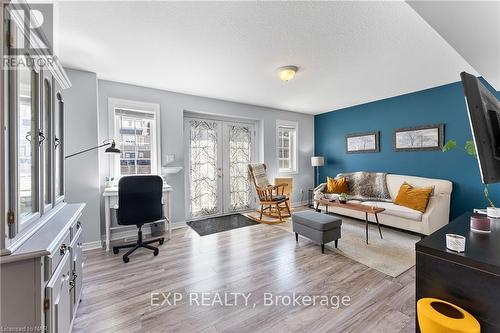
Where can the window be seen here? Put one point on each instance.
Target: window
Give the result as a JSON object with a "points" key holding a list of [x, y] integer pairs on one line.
{"points": [[286, 145], [136, 130]]}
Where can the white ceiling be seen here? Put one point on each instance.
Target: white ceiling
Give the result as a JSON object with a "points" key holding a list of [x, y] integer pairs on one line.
{"points": [[348, 53], [473, 30]]}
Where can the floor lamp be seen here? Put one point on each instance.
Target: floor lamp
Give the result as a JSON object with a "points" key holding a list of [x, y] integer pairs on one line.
{"points": [[317, 161], [112, 149]]}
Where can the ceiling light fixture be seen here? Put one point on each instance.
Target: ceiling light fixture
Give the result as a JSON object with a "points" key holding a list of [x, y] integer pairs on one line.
{"points": [[286, 73]]}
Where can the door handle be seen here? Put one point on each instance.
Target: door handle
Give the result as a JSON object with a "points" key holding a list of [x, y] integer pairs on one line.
{"points": [[41, 138]]}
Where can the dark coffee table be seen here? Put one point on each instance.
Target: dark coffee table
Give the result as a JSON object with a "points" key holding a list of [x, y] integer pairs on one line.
{"points": [[353, 206]]}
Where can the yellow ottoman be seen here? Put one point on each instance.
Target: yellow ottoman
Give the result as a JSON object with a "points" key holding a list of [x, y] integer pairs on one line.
{"points": [[437, 316]]}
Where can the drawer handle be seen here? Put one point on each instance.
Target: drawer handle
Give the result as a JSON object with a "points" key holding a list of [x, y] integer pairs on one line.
{"points": [[62, 249]]}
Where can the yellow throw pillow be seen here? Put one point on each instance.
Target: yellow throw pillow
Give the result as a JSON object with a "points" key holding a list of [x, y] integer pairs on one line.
{"points": [[414, 198], [337, 185]]}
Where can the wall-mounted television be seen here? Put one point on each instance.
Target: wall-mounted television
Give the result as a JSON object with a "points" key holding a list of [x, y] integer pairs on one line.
{"points": [[484, 117]]}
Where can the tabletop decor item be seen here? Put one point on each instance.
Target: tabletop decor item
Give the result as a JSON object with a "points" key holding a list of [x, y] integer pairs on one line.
{"points": [[480, 223], [109, 181], [455, 243], [343, 198], [493, 212]]}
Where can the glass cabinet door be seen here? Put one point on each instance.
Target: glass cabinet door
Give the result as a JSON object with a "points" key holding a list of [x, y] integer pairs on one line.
{"points": [[58, 147], [35, 136], [47, 140], [27, 143]]}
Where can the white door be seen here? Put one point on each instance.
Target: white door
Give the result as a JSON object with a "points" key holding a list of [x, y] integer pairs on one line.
{"points": [[218, 153]]}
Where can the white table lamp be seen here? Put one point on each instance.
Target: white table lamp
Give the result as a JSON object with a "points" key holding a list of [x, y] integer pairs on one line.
{"points": [[317, 161]]}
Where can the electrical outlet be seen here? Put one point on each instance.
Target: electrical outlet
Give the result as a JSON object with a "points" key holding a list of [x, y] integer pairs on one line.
{"points": [[169, 159]]}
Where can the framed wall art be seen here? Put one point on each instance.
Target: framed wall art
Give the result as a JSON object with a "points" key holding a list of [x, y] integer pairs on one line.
{"points": [[362, 143], [430, 137]]}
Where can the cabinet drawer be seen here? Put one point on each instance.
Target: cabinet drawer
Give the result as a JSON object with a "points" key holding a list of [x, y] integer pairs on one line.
{"points": [[57, 298], [52, 261]]}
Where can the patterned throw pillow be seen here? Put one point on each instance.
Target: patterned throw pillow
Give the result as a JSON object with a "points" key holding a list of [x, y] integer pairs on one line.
{"points": [[368, 186], [259, 172]]}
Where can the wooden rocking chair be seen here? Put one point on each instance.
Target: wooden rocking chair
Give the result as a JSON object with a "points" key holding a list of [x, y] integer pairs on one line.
{"points": [[273, 202]]}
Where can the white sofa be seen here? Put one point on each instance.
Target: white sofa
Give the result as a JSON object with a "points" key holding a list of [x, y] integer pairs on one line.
{"points": [[436, 215]]}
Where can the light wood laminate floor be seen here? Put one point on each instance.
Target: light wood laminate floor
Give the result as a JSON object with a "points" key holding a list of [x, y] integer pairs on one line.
{"points": [[257, 259]]}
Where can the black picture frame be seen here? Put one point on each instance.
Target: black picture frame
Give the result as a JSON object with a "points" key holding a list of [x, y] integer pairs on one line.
{"points": [[438, 145], [375, 134]]}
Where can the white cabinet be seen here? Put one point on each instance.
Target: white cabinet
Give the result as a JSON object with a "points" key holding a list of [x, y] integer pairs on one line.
{"points": [[32, 142], [41, 282]]}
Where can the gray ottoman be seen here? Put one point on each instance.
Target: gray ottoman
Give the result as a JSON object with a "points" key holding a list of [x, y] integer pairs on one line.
{"points": [[320, 228]]}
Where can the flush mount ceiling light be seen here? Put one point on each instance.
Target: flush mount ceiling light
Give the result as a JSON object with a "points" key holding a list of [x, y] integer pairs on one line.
{"points": [[286, 73]]}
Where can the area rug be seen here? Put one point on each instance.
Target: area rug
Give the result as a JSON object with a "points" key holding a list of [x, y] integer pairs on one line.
{"points": [[392, 255], [219, 224]]}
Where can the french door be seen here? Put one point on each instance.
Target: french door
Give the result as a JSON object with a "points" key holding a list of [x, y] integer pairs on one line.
{"points": [[218, 153]]}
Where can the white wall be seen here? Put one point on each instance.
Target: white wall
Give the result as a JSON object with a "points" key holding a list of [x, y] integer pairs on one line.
{"points": [[81, 132], [173, 106]]}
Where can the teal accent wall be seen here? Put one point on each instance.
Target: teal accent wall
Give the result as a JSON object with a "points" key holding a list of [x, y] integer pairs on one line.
{"points": [[443, 104]]}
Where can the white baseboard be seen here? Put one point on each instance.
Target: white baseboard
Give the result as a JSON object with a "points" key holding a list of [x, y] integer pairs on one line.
{"points": [[131, 234], [92, 245], [299, 204], [178, 225]]}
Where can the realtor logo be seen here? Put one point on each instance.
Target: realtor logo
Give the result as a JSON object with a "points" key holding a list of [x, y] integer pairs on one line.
{"points": [[31, 28]]}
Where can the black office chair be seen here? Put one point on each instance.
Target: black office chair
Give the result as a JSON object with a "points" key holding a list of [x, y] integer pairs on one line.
{"points": [[139, 202]]}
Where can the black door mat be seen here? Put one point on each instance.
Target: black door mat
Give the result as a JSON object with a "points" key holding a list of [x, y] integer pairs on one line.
{"points": [[219, 224]]}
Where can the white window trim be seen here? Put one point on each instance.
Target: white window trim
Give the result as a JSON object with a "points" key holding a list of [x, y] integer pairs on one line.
{"points": [[117, 103], [294, 151]]}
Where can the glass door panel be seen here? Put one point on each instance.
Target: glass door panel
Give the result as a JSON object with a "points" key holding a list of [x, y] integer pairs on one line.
{"points": [[204, 167], [238, 153], [58, 147], [27, 143], [46, 145]]}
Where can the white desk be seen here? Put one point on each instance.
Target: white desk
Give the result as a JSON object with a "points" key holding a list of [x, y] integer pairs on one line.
{"points": [[111, 200]]}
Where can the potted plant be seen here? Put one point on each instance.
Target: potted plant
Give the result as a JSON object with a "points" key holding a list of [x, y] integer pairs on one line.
{"points": [[470, 149], [109, 181]]}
